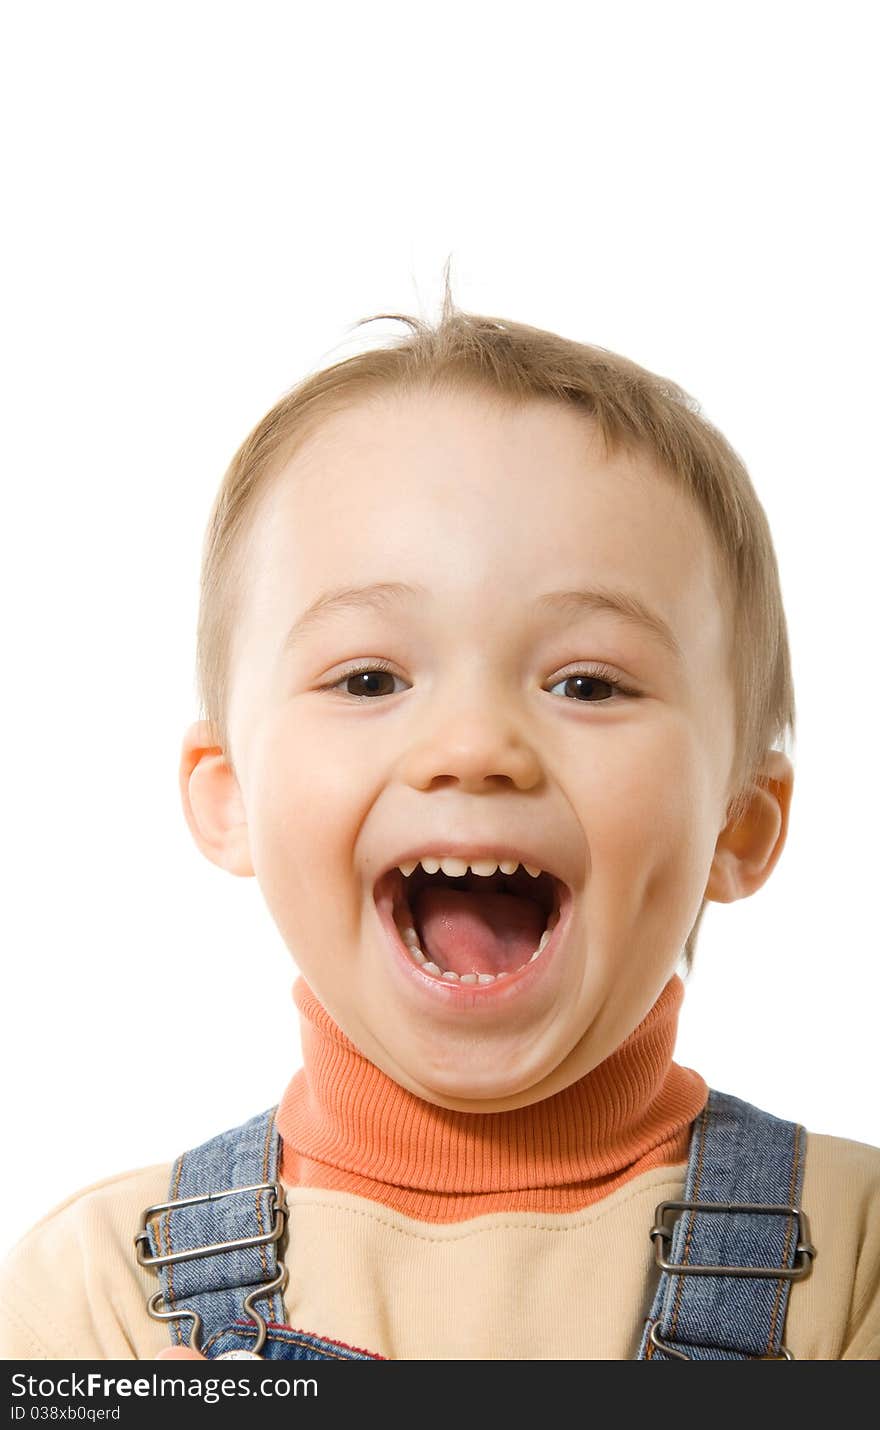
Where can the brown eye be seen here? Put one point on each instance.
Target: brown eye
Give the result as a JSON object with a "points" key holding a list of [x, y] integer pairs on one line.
{"points": [[590, 687], [584, 687], [369, 682], [365, 682]]}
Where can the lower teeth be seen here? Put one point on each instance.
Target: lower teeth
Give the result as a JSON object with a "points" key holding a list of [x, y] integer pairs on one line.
{"points": [[411, 942]]}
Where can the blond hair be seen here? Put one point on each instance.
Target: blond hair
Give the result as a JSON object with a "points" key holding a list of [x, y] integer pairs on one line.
{"points": [[635, 410]]}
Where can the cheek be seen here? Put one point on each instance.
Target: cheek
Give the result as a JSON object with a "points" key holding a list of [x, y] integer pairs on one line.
{"points": [[644, 810], [303, 816]]}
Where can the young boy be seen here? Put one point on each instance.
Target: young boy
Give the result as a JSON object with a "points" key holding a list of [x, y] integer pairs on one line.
{"points": [[493, 659]]}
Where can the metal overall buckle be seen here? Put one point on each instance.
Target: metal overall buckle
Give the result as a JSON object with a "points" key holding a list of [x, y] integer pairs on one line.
{"points": [[146, 1259], [654, 1337], [661, 1233]]}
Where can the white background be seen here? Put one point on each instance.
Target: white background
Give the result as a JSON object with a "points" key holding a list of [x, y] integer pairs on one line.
{"points": [[200, 200]]}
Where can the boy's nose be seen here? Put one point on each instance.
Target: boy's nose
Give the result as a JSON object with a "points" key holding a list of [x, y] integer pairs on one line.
{"points": [[473, 749]]}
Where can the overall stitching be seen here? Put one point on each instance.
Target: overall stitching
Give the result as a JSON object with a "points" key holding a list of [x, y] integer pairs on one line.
{"points": [[185, 1228], [264, 1178], [704, 1118], [779, 1144], [788, 1230], [175, 1325]]}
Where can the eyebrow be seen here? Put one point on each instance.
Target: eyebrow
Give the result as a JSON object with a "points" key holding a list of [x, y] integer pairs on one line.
{"points": [[625, 604], [377, 597], [382, 595]]}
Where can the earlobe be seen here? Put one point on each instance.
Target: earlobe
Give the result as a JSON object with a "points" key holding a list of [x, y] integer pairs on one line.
{"points": [[212, 802], [747, 850]]}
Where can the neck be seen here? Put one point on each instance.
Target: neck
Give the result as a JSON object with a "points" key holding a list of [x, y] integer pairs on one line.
{"points": [[347, 1126]]}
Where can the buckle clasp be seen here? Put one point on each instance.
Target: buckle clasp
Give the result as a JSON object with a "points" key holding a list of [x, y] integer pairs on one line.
{"points": [[142, 1240], [661, 1233], [654, 1337], [266, 1288], [155, 1307]]}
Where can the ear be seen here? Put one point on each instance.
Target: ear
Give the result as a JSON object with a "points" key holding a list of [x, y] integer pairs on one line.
{"points": [[747, 851], [212, 802]]}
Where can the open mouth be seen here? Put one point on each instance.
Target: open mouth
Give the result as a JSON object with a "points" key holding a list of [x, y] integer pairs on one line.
{"points": [[474, 929]]}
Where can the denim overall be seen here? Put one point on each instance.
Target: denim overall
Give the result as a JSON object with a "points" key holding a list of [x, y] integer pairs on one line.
{"points": [[737, 1241]]}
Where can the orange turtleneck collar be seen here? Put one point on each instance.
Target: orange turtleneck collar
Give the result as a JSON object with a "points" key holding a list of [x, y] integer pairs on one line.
{"points": [[347, 1126]]}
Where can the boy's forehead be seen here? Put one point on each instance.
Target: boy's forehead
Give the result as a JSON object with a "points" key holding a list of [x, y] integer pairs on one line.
{"points": [[484, 506], [500, 478]]}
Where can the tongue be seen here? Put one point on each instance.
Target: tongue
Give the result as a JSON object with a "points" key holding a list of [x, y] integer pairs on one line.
{"points": [[477, 933]]}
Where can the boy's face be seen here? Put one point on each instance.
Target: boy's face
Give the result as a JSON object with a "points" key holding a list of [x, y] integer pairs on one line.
{"points": [[480, 735]]}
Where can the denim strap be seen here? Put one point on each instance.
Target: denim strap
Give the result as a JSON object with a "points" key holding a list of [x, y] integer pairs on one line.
{"points": [[738, 1154], [215, 1285]]}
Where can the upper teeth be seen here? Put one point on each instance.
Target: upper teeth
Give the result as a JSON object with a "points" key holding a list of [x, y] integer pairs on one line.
{"points": [[456, 868]]}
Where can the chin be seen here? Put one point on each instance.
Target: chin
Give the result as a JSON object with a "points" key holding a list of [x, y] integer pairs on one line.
{"points": [[475, 1100], [461, 1089]]}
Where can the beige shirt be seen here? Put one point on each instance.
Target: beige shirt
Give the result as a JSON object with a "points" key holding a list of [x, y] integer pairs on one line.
{"points": [[505, 1286]]}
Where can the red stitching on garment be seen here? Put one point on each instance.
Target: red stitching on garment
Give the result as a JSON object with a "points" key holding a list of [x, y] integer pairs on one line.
{"points": [[298, 1331]]}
